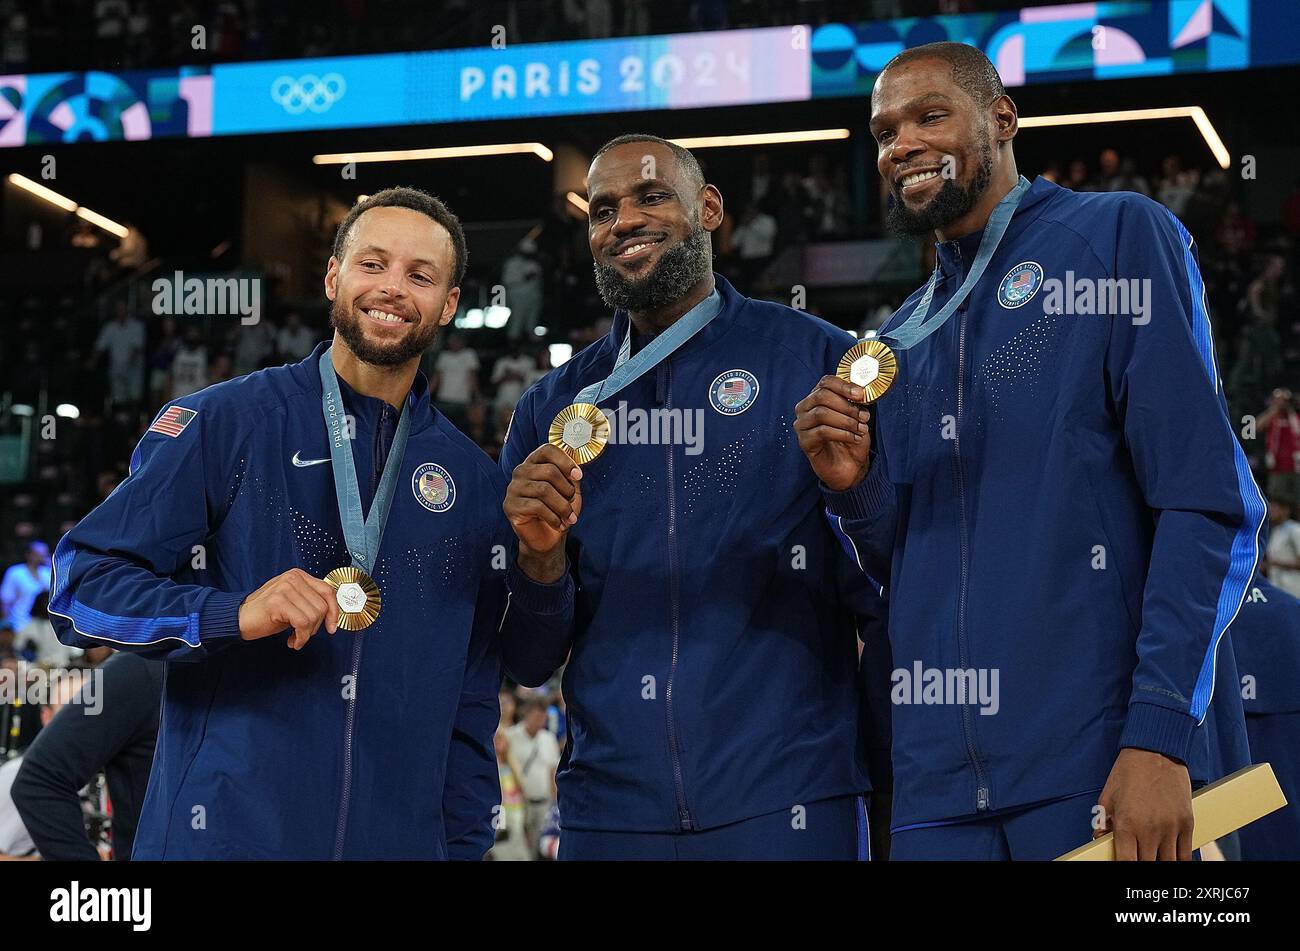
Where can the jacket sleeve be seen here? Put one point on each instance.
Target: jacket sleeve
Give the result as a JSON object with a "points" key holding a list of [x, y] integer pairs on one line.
{"points": [[538, 627], [865, 519], [112, 579], [1192, 473], [875, 670], [861, 596], [86, 734], [472, 793]]}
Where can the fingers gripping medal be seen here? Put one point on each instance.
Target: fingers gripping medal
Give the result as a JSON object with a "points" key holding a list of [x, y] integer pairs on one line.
{"points": [[580, 431], [357, 595], [871, 365]]}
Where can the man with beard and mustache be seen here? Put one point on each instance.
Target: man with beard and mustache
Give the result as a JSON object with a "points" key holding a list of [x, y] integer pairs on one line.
{"points": [[370, 743], [705, 609], [1052, 493]]}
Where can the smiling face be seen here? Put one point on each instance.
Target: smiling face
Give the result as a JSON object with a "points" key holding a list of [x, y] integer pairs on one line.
{"points": [[391, 291], [648, 226], [934, 144]]}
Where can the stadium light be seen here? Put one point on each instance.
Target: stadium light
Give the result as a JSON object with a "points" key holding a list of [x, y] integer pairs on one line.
{"points": [[451, 152], [577, 201], [40, 191], [22, 409], [560, 353], [108, 224], [67, 411], [67, 204], [761, 138], [1195, 113]]}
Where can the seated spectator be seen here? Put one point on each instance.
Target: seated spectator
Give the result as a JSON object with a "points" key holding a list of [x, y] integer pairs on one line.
{"points": [[1077, 178], [1175, 186], [512, 374], [455, 380], [189, 371], [38, 636], [1116, 176], [535, 749], [122, 339], [23, 582], [1283, 554], [1279, 428], [754, 240], [295, 340], [1236, 232]]}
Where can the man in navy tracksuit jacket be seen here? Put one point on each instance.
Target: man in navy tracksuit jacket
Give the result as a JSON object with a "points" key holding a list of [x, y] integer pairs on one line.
{"points": [[704, 605], [368, 745], [1054, 497], [1266, 637]]}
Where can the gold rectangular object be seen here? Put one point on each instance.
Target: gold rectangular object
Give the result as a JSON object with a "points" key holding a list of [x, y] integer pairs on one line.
{"points": [[1219, 808]]}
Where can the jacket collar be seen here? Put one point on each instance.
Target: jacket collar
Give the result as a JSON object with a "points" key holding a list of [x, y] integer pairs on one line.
{"points": [[422, 410], [955, 257]]}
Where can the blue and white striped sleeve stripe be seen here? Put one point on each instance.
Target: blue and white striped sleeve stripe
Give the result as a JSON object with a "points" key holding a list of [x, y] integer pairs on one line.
{"points": [[97, 625], [1244, 552]]}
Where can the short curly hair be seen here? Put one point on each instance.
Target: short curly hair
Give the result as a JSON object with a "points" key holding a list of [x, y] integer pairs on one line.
{"points": [[971, 69], [416, 200]]}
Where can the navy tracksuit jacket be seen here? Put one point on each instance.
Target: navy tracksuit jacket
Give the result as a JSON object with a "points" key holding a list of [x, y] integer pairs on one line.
{"points": [[1058, 497], [709, 613], [368, 745]]}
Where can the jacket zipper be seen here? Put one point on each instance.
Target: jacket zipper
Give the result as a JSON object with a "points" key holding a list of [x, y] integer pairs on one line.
{"points": [[963, 658], [346, 795], [684, 817]]}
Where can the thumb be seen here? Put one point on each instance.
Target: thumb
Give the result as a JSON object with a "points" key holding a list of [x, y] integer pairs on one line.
{"points": [[577, 498]]}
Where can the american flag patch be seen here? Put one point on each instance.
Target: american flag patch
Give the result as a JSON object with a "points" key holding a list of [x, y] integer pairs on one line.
{"points": [[173, 422]]}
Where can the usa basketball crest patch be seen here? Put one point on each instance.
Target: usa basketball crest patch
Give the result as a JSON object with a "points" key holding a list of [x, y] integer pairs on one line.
{"points": [[433, 487], [733, 392], [1021, 283]]}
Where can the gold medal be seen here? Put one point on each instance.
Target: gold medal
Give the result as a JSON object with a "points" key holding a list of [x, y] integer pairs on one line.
{"points": [[870, 365], [357, 596], [580, 431]]}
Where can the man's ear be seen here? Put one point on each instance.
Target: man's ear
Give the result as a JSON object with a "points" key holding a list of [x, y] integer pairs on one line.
{"points": [[710, 208], [332, 278], [1006, 118], [449, 308]]}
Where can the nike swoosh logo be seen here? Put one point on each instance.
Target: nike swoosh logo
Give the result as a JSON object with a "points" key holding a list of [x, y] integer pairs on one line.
{"points": [[300, 463]]}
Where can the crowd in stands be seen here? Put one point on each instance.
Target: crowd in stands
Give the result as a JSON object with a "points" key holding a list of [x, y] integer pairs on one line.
{"points": [[118, 363]]}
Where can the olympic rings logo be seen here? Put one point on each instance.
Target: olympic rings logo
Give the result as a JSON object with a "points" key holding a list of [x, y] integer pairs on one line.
{"points": [[316, 93]]}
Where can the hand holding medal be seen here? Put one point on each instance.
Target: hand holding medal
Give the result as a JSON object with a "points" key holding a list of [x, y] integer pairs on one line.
{"points": [[543, 501], [831, 426], [293, 600]]}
